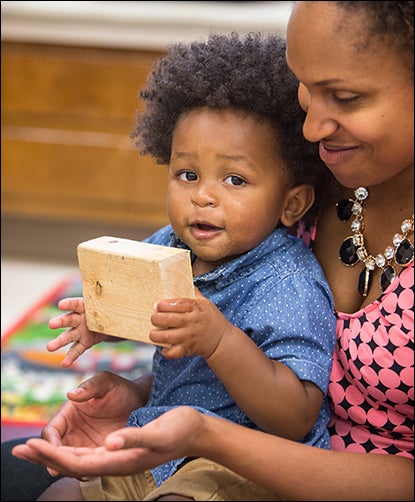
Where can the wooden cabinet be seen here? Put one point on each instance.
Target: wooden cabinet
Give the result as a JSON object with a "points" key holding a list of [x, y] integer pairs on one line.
{"points": [[67, 113]]}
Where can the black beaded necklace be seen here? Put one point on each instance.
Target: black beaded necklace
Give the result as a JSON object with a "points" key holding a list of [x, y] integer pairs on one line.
{"points": [[353, 248]]}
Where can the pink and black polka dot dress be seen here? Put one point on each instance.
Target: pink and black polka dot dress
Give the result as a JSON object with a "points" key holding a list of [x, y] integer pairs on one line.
{"points": [[371, 385]]}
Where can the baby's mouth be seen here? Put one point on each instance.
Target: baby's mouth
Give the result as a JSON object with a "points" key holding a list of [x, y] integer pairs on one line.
{"points": [[205, 227], [204, 230]]}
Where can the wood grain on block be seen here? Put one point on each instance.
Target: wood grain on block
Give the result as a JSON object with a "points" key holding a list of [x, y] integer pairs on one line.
{"points": [[123, 278]]}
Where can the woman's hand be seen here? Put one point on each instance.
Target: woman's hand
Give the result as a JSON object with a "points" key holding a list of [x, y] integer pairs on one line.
{"points": [[123, 452], [95, 408]]}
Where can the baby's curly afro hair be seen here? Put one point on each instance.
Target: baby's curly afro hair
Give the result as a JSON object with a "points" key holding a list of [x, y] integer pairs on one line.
{"points": [[248, 73]]}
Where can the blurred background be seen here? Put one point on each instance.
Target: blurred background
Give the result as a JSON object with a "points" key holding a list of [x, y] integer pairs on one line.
{"points": [[71, 73]]}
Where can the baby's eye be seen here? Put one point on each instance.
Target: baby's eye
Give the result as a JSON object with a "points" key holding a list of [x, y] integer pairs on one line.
{"points": [[187, 176], [234, 180]]}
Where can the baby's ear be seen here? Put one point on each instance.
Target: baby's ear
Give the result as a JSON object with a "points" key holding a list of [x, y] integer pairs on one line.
{"points": [[298, 201]]}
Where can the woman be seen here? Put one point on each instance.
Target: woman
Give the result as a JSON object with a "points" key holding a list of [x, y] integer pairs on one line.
{"points": [[354, 61]]}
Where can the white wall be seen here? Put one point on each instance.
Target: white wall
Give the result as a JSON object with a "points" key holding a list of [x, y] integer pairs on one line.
{"points": [[136, 24]]}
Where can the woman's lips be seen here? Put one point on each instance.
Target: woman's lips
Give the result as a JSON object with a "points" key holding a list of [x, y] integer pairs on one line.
{"points": [[332, 156]]}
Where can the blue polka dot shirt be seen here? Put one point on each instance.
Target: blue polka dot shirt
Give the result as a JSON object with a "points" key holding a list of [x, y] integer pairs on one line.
{"points": [[277, 294]]}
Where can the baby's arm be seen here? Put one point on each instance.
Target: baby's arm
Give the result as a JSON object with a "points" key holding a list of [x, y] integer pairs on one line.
{"points": [[77, 333], [269, 392]]}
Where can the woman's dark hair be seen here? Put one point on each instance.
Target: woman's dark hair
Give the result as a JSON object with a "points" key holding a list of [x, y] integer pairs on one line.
{"points": [[248, 73], [390, 22]]}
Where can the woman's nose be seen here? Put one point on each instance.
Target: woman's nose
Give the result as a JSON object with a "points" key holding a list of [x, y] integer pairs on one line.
{"points": [[316, 127], [318, 124]]}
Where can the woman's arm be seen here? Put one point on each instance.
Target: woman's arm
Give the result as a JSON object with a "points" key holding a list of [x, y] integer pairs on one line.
{"points": [[292, 470], [299, 472]]}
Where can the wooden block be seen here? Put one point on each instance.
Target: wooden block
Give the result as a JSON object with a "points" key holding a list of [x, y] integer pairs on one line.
{"points": [[123, 278]]}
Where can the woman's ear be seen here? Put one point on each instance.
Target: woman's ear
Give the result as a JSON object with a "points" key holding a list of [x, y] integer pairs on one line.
{"points": [[298, 201]]}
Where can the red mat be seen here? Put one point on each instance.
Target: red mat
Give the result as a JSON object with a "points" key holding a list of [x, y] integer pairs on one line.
{"points": [[33, 382]]}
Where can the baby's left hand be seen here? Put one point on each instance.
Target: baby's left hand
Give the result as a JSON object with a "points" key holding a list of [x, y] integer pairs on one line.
{"points": [[191, 326]]}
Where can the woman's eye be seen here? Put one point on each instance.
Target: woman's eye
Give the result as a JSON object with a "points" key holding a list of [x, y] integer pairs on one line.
{"points": [[187, 176], [235, 180], [345, 100]]}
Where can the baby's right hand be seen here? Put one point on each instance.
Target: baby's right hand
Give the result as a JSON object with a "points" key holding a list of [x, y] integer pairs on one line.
{"points": [[77, 333]]}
